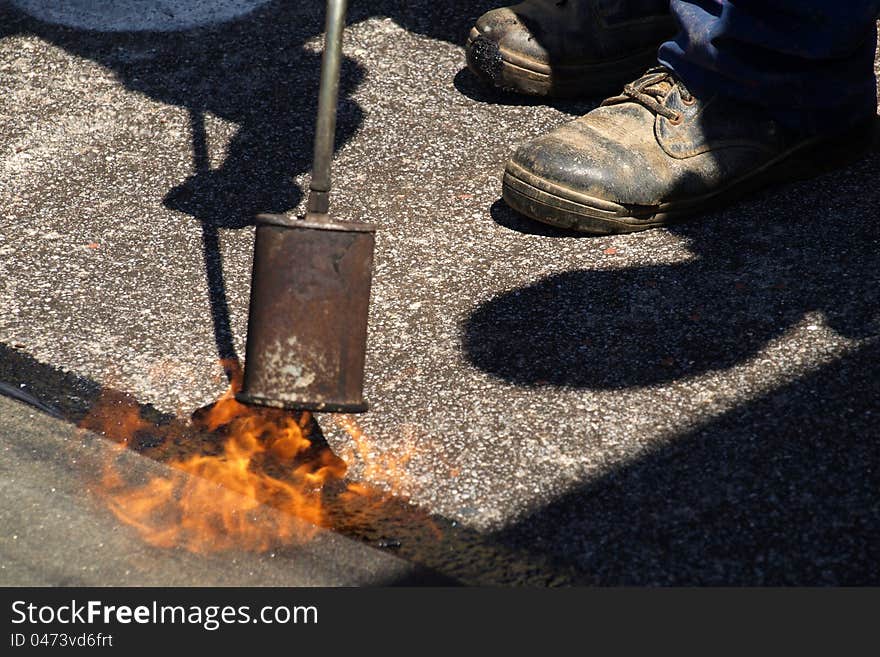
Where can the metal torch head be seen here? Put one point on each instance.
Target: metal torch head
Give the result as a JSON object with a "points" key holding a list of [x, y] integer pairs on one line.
{"points": [[307, 323]]}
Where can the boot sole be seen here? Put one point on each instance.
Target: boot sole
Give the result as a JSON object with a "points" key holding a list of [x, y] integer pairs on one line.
{"points": [[550, 203], [512, 72]]}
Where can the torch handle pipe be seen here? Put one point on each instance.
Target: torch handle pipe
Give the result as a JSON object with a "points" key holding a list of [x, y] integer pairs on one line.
{"points": [[328, 96]]}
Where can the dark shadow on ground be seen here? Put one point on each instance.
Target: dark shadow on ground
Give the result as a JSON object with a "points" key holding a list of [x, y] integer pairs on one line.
{"points": [[758, 269], [503, 215], [778, 491], [781, 490]]}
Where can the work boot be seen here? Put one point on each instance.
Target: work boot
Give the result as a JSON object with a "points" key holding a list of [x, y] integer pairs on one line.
{"points": [[657, 153], [567, 48]]}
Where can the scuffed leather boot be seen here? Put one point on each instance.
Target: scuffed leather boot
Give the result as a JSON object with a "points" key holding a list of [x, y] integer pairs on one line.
{"points": [[567, 48], [656, 153]]}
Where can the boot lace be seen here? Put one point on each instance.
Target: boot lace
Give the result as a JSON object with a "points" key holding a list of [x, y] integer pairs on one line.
{"points": [[650, 90]]}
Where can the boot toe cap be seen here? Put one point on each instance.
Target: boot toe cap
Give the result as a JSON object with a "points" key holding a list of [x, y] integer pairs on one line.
{"points": [[506, 30], [578, 162]]}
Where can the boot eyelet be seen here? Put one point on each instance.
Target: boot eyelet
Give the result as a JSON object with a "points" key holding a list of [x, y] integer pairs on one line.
{"points": [[689, 101], [677, 119]]}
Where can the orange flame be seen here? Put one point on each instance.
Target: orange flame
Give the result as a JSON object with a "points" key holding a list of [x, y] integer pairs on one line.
{"points": [[215, 502], [211, 502]]}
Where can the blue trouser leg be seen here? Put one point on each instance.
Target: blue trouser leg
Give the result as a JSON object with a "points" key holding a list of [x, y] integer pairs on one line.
{"points": [[810, 63]]}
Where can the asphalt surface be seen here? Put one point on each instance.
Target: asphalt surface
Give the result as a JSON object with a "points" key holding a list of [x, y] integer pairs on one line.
{"points": [[57, 532], [693, 405]]}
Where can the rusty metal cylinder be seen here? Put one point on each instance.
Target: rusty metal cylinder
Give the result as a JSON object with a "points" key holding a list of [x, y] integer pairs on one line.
{"points": [[307, 324]]}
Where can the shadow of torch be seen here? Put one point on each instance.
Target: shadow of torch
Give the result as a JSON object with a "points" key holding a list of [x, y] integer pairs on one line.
{"points": [[310, 286]]}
